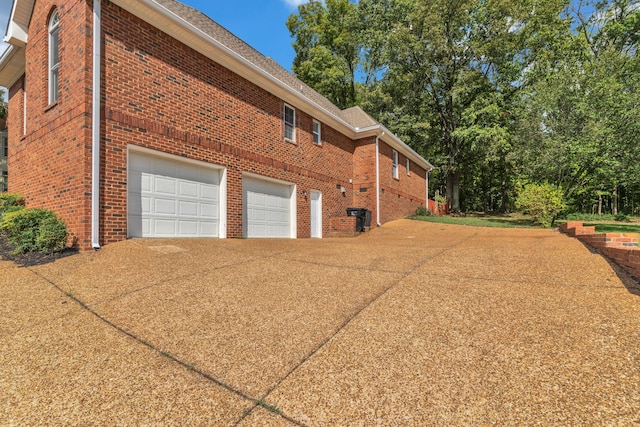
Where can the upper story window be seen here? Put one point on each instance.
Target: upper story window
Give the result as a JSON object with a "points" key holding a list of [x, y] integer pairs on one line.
{"points": [[289, 123], [54, 55], [408, 167], [317, 136], [395, 164]]}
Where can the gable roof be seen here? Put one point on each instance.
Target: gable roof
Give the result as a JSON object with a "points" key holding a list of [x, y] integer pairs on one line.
{"points": [[203, 34]]}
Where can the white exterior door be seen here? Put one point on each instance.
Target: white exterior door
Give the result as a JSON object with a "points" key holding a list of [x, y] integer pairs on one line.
{"points": [[169, 197], [316, 213], [268, 208]]}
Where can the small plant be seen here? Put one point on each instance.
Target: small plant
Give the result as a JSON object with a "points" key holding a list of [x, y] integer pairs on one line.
{"points": [[270, 408], [622, 218], [441, 202], [542, 201], [422, 211]]}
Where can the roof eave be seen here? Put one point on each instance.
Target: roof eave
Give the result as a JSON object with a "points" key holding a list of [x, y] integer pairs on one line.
{"points": [[390, 138], [18, 25], [12, 65]]}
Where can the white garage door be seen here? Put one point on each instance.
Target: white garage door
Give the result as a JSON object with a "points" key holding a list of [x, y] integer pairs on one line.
{"points": [[267, 208], [167, 197]]}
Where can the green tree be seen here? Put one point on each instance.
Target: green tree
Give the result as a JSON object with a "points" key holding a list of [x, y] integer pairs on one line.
{"points": [[578, 127], [327, 48], [456, 68]]}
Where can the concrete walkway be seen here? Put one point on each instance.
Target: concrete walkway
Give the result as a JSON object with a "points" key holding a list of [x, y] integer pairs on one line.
{"points": [[411, 324]]}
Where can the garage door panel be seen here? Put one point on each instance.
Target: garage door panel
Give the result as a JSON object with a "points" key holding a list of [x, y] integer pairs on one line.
{"points": [[209, 192], [209, 210], [164, 207], [188, 228], [172, 198], [188, 189], [188, 208], [162, 185], [164, 227]]}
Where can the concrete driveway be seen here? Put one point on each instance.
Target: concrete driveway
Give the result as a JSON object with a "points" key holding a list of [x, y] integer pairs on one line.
{"points": [[411, 324]]}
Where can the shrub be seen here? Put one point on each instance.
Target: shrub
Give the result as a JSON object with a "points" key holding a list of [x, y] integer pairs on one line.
{"points": [[441, 201], [622, 217], [422, 211], [542, 201], [10, 202], [34, 230]]}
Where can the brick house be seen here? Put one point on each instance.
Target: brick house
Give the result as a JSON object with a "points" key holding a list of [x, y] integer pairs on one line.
{"points": [[146, 118]]}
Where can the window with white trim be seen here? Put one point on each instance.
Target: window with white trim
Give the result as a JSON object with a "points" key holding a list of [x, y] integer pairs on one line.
{"points": [[317, 135], [395, 164], [289, 123], [408, 167], [54, 56]]}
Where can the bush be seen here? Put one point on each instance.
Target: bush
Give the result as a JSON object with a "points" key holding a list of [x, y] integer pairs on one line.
{"points": [[10, 202], [542, 201], [422, 211], [34, 230], [622, 217]]}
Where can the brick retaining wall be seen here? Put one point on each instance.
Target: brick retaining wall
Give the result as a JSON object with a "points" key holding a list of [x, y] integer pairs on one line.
{"points": [[621, 248]]}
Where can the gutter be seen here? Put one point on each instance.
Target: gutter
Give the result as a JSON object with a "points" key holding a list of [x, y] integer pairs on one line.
{"points": [[95, 128]]}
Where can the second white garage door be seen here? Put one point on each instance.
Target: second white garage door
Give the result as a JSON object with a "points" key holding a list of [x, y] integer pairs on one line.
{"points": [[268, 208], [169, 197]]}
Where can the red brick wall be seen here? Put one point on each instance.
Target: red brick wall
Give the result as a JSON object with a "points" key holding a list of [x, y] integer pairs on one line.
{"points": [[49, 164], [401, 196]]}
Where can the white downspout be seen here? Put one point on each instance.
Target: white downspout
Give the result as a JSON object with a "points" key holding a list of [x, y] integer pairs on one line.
{"points": [[95, 129], [378, 179]]}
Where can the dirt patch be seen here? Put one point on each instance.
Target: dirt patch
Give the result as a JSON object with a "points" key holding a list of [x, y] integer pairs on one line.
{"points": [[31, 258]]}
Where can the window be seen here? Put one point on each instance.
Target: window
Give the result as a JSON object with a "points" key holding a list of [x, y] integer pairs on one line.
{"points": [[4, 143], [54, 57], [408, 168], [4, 181], [317, 137], [395, 164], [289, 123]]}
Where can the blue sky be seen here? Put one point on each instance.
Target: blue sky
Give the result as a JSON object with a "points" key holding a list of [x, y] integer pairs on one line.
{"points": [[260, 23]]}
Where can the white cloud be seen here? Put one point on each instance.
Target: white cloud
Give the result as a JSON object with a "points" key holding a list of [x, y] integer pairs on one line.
{"points": [[295, 3]]}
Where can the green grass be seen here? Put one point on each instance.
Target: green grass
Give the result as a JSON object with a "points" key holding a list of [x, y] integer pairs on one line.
{"points": [[481, 220], [614, 227]]}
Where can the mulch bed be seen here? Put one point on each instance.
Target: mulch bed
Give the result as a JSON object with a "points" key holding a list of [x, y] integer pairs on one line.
{"points": [[30, 258]]}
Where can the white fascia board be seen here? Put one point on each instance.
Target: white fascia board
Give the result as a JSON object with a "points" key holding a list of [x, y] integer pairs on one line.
{"points": [[18, 25], [12, 64]]}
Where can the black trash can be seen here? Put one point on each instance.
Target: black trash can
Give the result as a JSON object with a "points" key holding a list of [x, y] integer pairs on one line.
{"points": [[367, 219], [361, 216]]}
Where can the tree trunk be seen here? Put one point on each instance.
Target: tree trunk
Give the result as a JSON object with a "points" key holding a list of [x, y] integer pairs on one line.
{"points": [[599, 204], [453, 191], [614, 201]]}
